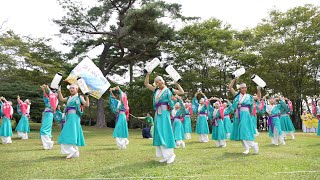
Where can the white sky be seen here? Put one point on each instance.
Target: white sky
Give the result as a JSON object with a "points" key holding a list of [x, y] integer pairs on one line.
{"points": [[34, 17]]}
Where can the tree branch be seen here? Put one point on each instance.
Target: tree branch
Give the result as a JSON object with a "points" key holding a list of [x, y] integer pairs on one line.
{"points": [[104, 33]]}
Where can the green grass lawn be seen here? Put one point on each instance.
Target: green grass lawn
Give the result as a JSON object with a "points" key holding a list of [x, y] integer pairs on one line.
{"points": [[299, 159]]}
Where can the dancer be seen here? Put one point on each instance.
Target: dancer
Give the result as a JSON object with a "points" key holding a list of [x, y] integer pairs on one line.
{"points": [[187, 125], [50, 100], [242, 125], [285, 120], [177, 115], [228, 110], [163, 135], [6, 129], [71, 136], [119, 105], [216, 114], [273, 111], [58, 116], [23, 127], [201, 108], [147, 132], [254, 118], [318, 116]]}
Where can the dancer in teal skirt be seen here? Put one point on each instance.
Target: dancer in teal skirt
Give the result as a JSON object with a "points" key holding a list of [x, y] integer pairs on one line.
{"points": [[275, 131], [285, 120], [23, 127], [117, 105], [177, 114], [187, 124], [50, 100], [6, 129], [242, 126], [71, 136], [163, 135], [201, 108], [318, 116], [216, 115], [228, 110]]}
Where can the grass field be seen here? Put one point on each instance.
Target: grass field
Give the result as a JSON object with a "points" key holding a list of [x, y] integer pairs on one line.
{"points": [[299, 159]]}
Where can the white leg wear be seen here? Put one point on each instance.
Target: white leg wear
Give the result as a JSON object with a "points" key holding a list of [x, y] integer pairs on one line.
{"points": [[204, 138], [46, 142], [6, 140], [22, 135], [71, 150], [228, 135], [121, 143], [164, 152], [188, 135]]}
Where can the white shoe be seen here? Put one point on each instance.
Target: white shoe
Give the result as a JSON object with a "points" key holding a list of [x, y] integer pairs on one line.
{"points": [[76, 155], [223, 146], [127, 141], [171, 159], [183, 145], [51, 145], [256, 148], [163, 160], [246, 152], [283, 143], [70, 155]]}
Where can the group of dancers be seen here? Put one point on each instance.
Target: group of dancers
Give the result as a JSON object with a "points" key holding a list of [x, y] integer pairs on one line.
{"points": [[71, 136], [172, 120]]}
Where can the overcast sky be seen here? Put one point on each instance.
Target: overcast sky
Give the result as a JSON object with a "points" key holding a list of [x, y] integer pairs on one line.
{"points": [[34, 17]]}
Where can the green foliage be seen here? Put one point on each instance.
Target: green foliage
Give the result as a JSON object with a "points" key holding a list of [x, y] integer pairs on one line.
{"points": [[26, 64]]}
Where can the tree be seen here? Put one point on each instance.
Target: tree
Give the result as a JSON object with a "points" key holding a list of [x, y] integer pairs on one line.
{"points": [[134, 36], [204, 53], [26, 63], [286, 46]]}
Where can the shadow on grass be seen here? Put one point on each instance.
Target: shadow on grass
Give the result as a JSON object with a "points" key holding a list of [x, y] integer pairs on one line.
{"points": [[26, 150], [314, 145], [54, 158], [105, 149]]}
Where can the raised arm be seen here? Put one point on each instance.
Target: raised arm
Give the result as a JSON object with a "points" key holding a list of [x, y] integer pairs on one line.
{"points": [[178, 91], [18, 100], [85, 101], [233, 92], [61, 98], [146, 83], [258, 96]]}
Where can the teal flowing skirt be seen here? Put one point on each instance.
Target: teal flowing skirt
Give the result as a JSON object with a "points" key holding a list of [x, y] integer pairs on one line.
{"points": [[254, 120], [6, 129], [276, 124], [242, 128], [318, 133], [286, 124], [72, 131], [46, 124], [202, 125], [227, 125], [23, 125], [121, 128], [218, 132], [163, 134], [178, 130], [187, 125]]}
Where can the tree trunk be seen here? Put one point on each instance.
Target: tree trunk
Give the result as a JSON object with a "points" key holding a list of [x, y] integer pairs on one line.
{"points": [[101, 120]]}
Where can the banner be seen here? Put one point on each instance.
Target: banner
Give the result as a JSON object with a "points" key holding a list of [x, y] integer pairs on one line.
{"points": [[93, 77]]}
